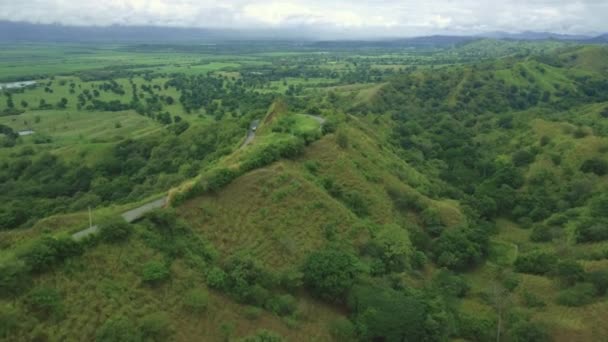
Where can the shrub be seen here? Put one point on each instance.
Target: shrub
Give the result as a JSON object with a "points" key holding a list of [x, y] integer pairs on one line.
{"points": [[117, 328], [263, 336], [430, 217], [155, 272], [47, 251], [220, 178], [282, 305], [544, 140], [580, 133], [117, 230], [450, 284], [66, 247], [536, 263], [312, 166], [599, 206], [383, 314], [330, 273], [569, 272], [9, 321], [246, 280], [196, 301], [599, 279], [216, 278], [45, 302], [342, 138], [13, 278], [541, 233], [418, 260], [532, 301], [329, 126], [155, 327], [473, 328], [252, 312], [41, 255], [578, 295], [356, 202], [526, 331], [283, 149], [308, 137], [343, 329], [592, 230]]}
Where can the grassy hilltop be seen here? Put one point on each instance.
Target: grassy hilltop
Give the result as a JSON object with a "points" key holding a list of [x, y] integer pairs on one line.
{"points": [[453, 194]]}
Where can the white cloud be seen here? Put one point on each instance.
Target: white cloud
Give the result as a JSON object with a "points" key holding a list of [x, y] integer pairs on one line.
{"points": [[388, 17]]}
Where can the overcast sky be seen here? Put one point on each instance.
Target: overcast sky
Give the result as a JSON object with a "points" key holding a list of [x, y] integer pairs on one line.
{"points": [[354, 17]]}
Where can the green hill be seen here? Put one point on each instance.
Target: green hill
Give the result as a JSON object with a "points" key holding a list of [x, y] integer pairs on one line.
{"points": [[437, 203]]}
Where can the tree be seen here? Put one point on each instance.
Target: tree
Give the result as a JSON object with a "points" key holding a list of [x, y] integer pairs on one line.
{"points": [[595, 165], [449, 284], [383, 314], [522, 158], [330, 273], [392, 247], [62, 104], [164, 118], [500, 300], [460, 248], [9, 101]]}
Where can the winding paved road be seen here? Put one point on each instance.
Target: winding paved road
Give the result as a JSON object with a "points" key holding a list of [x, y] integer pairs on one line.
{"points": [[129, 216], [250, 133], [137, 213]]}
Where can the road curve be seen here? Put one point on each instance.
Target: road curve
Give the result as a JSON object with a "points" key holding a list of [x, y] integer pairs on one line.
{"points": [[129, 216], [319, 119], [137, 213]]}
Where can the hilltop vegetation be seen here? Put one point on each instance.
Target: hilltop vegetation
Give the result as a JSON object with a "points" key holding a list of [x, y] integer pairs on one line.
{"points": [[450, 193]]}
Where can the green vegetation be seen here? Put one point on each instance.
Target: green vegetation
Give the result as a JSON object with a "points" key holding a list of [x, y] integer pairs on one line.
{"points": [[385, 194]]}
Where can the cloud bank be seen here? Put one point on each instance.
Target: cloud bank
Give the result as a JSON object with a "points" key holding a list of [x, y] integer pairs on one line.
{"points": [[349, 17]]}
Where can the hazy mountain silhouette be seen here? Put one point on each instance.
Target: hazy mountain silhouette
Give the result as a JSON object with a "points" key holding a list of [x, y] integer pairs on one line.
{"points": [[28, 32]]}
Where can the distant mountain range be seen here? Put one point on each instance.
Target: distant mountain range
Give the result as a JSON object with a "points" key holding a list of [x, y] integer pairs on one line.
{"points": [[28, 32], [531, 35]]}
